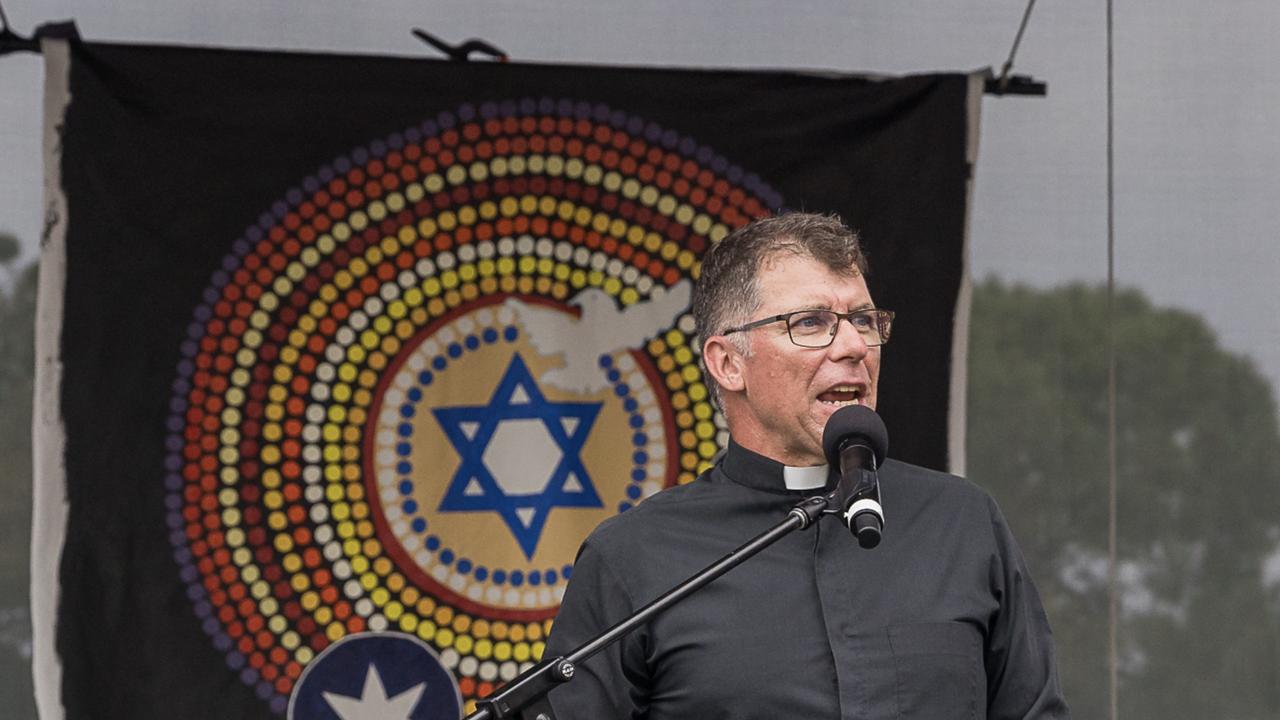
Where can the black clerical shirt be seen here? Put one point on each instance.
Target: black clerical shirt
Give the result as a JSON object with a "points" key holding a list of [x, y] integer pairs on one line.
{"points": [[940, 621]]}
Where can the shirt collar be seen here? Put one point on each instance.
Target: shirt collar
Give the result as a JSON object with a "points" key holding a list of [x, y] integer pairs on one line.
{"points": [[804, 478], [761, 473]]}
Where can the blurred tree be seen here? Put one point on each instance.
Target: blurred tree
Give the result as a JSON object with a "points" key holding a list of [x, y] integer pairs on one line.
{"points": [[9, 248], [1199, 494], [17, 367]]}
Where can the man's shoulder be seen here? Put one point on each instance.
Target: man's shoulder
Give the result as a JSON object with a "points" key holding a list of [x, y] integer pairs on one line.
{"points": [[675, 504], [926, 484]]}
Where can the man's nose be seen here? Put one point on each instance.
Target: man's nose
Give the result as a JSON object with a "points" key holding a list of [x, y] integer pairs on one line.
{"points": [[848, 342]]}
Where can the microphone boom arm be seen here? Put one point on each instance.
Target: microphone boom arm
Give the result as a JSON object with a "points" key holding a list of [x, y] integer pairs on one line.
{"points": [[524, 698]]}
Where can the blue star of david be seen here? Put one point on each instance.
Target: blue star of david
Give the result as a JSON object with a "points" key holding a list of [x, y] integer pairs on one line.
{"points": [[471, 428]]}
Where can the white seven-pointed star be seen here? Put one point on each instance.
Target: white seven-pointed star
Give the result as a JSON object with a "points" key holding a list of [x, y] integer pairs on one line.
{"points": [[373, 703]]}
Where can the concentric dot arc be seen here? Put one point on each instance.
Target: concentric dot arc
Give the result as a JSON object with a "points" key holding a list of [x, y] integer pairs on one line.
{"points": [[381, 262]]}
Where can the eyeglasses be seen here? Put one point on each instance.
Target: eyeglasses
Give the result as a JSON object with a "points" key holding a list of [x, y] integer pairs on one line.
{"points": [[817, 328]]}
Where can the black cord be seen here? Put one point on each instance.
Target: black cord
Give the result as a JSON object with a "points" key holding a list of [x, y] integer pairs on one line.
{"points": [[1003, 80], [1113, 451]]}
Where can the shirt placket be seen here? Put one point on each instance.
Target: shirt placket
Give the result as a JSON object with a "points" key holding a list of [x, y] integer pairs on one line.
{"points": [[861, 656]]}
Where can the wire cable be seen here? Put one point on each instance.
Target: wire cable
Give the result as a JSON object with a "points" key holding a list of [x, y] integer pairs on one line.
{"points": [[1005, 69], [1113, 590]]}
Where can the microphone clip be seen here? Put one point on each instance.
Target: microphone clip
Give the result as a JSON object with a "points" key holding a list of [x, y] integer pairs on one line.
{"points": [[810, 509], [856, 498]]}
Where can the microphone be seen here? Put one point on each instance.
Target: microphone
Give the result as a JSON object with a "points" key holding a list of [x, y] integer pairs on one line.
{"points": [[855, 442]]}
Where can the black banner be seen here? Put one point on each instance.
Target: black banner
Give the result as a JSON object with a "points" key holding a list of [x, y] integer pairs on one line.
{"points": [[370, 344]]}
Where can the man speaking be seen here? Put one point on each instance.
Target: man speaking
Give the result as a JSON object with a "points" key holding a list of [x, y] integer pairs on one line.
{"points": [[941, 620]]}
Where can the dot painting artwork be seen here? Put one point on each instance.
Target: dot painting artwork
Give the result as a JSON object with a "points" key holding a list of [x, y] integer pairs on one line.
{"points": [[422, 376]]}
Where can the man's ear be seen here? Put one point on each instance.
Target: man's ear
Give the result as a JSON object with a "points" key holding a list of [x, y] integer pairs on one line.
{"points": [[725, 363]]}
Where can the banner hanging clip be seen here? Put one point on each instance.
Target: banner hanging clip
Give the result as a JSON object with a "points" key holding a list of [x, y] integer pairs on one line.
{"points": [[11, 42], [461, 52], [1014, 85]]}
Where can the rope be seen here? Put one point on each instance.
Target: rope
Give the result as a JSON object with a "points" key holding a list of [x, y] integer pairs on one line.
{"points": [[1017, 40]]}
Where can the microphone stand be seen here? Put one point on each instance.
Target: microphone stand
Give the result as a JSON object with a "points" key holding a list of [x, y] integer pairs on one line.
{"points": [[525, 697]]}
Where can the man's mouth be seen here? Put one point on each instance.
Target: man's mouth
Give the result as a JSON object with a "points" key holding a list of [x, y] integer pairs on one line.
{"points": [[842, 395]]}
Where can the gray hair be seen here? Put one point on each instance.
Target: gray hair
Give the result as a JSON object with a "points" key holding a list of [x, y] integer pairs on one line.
{"points": [[728, 290]]}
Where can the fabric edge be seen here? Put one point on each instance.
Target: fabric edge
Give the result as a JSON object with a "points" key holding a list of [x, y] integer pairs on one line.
{"points": [[49, 496], [958, 400]]}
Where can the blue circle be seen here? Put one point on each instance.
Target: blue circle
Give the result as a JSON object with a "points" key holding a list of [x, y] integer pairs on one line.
{"points": [[623, 507], [401, 662], [636, 421], [640, 457], [405, 430]]}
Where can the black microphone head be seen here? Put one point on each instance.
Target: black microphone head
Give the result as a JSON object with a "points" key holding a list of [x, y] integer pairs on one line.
{"points": [[854, 421]]}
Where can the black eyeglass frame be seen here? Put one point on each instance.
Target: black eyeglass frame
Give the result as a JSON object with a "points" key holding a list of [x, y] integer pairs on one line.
{"points": [[882, 318]]}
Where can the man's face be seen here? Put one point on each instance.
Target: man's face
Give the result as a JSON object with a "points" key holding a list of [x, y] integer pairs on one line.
{"points": [[788, 392]]}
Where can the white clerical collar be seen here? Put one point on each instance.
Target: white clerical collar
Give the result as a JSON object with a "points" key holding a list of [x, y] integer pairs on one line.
{"points": [[804, 478]]}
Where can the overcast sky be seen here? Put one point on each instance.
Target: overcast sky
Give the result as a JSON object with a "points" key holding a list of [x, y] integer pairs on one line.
{"points": [[1197, 98]]}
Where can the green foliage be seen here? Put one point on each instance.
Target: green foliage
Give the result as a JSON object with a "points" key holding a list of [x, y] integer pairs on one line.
{"points": [[17, 367], [17, 364], [1198, 494], [9, 248]]}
